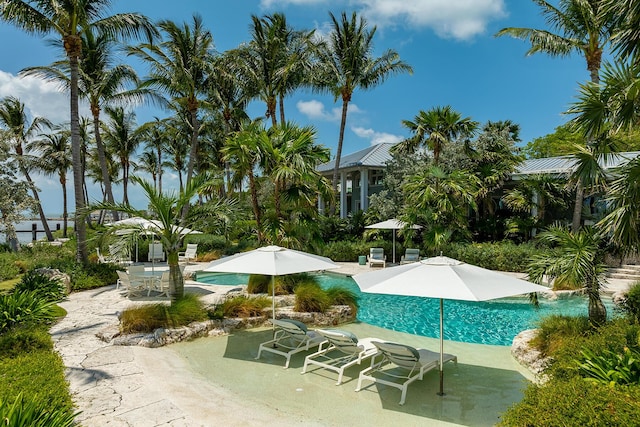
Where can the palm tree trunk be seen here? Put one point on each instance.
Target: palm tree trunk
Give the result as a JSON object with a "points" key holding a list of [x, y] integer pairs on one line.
{"points": [[176, 281], [73, 46], [103, 160], [255, 205], [577, 208], [65, 215], [125, 183], [159, 170], [193, 153], [282, 110], [43, 218], [334, 181]]}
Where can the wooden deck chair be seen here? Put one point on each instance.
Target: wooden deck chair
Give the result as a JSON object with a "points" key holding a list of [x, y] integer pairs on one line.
{"points": [[377, 257], [344, 350], [410, 255], [189, 254], [401, 363], [291, 337]]}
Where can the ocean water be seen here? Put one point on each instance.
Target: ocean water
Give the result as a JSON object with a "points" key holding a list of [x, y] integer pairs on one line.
{"points": [[24, 229]]}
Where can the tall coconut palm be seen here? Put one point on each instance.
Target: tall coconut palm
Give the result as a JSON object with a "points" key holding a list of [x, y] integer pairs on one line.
{"points": [[19, 131], [346, 63], [179, 67], [148, 162], [54, 150], [155, 137], [578, 262], [166, 208], [123, 138], [583, 26], [435, 129], [67, 20]]}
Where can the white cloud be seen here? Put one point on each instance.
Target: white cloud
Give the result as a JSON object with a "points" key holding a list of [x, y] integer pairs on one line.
{"points": [[42, 98], [376, 137], [457, 19], [315, 110]]}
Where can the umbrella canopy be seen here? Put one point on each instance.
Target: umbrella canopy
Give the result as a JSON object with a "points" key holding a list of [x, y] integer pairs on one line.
{"points": [[393, 224], [272, 261], [444, 278]]}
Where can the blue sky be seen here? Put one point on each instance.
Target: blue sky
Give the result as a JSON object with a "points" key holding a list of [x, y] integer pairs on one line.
{"points": [[449, 43]]}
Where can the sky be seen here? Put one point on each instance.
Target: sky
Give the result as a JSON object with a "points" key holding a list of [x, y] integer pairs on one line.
{"points": [[450, 44]]}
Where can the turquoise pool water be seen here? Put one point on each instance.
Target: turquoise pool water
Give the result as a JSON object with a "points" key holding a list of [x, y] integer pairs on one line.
{"points": [[494, 322]]}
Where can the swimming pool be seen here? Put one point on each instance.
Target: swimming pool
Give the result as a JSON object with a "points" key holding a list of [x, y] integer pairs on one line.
{"points": [[494, 322]]}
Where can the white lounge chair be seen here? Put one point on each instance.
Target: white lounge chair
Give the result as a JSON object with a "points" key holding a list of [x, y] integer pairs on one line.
{"points": [[344, 350], [156, 252], [189, 253], [162, 285], [410, 255], [291, 337], [401, 363], [377, 257]]}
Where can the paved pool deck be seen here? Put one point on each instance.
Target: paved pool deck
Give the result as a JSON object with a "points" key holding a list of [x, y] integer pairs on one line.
{"points": [[217, 381]]}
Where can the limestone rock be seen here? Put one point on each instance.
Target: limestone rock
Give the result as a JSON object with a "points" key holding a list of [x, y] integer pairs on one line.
{"points": [[528, 356], [55, 274]]}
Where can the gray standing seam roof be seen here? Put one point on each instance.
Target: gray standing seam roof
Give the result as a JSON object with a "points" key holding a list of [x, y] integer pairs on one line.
{"points": [[375, 156], [564, 164]]}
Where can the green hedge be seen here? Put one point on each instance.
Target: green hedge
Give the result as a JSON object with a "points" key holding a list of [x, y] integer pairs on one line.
{"points": [[349, 251], [500, 256]]}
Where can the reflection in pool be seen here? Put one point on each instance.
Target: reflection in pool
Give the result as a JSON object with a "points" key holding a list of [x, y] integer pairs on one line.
{"points": [[494, 322]]}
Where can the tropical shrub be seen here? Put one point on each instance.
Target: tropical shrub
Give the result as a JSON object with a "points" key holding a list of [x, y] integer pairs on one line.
{"points": [[41, 285], [34, 412], [554, 332], [258, 284], [241, 306], [19, 308], [207, 242], [148, 318], [8, 268], [285, 285], [631, 304], [311, 298], [610, 367], [349, 251]]}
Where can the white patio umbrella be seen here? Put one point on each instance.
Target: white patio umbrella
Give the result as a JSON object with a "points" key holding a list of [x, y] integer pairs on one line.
{"points": [[393, 224], [273, 261], [444, 278]]}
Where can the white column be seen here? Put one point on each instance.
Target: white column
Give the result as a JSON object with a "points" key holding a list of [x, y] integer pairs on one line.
{"points": [[364, 189], [343, 194], [320, 205]]}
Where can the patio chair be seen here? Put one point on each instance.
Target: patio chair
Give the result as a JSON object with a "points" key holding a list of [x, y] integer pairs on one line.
{"points": [[156, 252], [134, 287], [189, 253], [104, 260], [291, 337], [344, 350], [401, 363], [410, 255], [162, 285], [377, 257]]}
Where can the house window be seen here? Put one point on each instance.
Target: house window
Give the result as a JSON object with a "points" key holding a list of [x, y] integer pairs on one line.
{"points": [[376, 176]]}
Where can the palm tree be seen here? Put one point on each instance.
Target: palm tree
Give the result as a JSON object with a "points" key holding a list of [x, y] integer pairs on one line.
{"points": [[68, 20], [14, 119], [55, 158], [243, 154], [345, 63], [577, 262], [154, 133], [435, 129], [148, 162], [587, 27], [123, 138], [180, 66], [167, 209]]}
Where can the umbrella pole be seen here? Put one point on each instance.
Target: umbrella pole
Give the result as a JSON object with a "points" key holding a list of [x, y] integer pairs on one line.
{"points": [[441, 393], [273, 305], [394, 245]]}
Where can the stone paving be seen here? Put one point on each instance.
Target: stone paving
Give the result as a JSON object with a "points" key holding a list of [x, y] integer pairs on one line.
{"points": [[123, 386]]}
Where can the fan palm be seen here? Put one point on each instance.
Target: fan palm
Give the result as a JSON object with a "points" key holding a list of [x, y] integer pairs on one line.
{"points": [[68, 20], [577, 262], [345, 63], [14, 119]]}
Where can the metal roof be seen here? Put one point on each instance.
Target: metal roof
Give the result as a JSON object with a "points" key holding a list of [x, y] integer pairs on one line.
{"points": [[375, 156], [564, 164]]}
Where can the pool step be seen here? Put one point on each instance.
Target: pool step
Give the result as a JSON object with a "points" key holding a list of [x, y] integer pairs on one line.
{"points": [[625, 272]]}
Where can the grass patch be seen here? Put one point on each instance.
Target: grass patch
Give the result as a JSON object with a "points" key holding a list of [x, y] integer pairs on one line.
{"points": [[7, 285], [31, 369], [148, 318]]}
